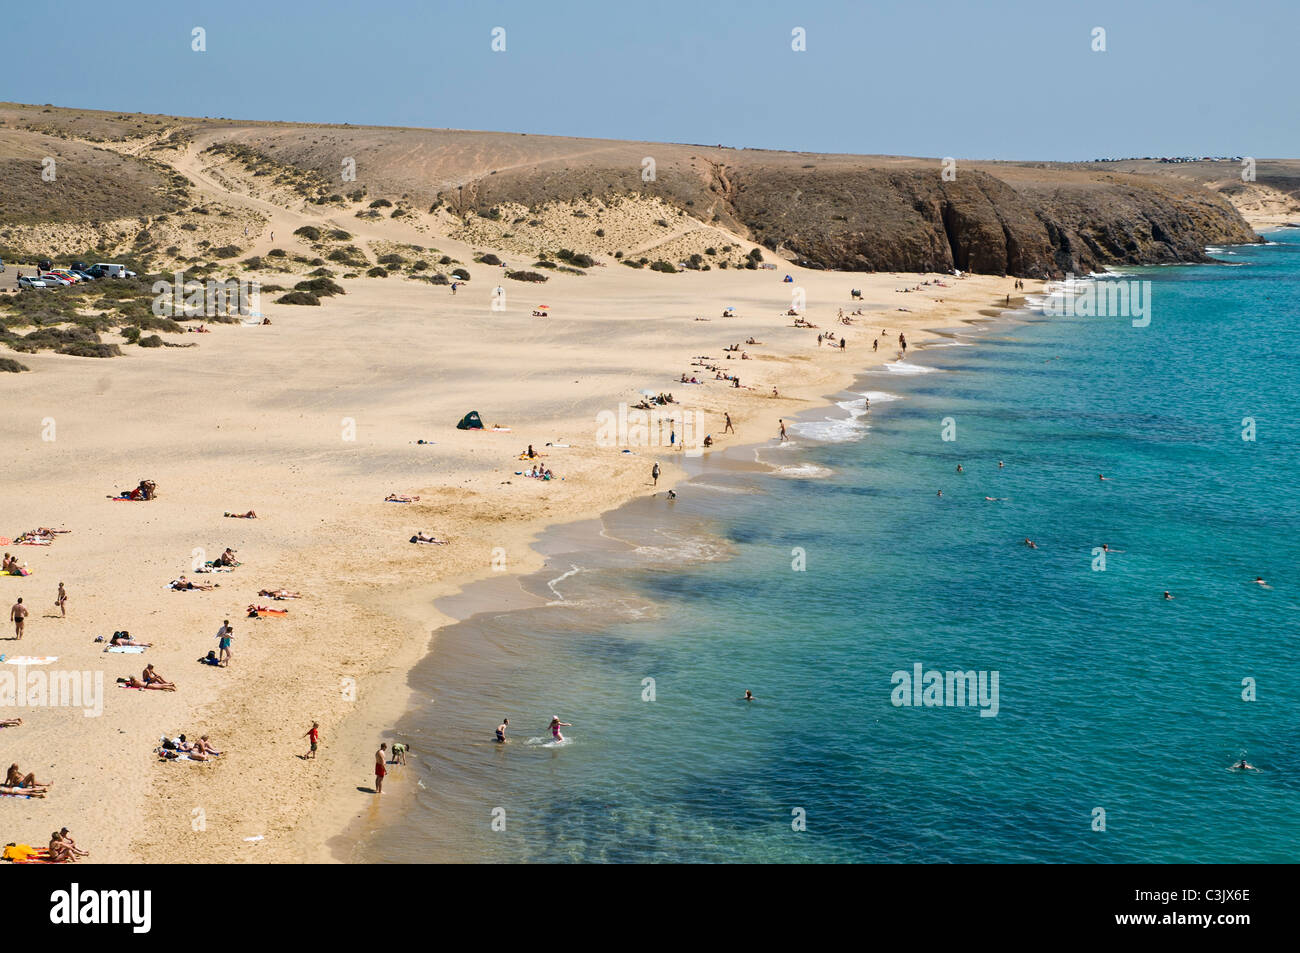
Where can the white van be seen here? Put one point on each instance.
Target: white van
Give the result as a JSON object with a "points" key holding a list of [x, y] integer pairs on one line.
{"points": [[110, 271]]}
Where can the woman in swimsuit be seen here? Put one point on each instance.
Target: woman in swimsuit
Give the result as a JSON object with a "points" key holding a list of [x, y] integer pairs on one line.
{"points": [[556, 725]]}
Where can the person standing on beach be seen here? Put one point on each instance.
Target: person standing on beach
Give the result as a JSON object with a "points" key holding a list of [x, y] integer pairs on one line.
{"points": [[501, 730], [61, 600], [17, 613], [875, 345], [729, 428], [784, 438], [380, 769], [654, 475], [314, 734], [225, 635]]}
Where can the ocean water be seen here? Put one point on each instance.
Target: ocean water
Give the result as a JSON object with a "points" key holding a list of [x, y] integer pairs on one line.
{"points": [[1110, 698]]}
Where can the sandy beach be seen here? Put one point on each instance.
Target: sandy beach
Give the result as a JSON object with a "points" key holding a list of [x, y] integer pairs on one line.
{"points": [[311, 421]]}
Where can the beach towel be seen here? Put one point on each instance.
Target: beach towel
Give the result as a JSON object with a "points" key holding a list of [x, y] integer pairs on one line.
{"points": [[126, 649], [21, 572], [263, 613], [30, 659]]}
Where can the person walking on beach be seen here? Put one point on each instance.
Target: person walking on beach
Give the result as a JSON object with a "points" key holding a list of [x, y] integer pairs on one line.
{"points": [[729, 428], [501, 730], [61, 600], [784, 438], [225, 636], [314, 734], [18, 613], [875, 345], [380, 769], [654, 476]]}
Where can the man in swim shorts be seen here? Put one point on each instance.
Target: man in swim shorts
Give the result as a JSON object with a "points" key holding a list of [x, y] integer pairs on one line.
{"points": [[17, 614], [380, 768], [501, 730]]}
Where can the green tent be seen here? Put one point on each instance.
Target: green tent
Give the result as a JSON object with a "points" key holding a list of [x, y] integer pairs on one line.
{"points": [[470, 421]]}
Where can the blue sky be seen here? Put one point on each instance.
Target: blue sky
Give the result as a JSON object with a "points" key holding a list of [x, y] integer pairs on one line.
{"points": [[1015, 80]]}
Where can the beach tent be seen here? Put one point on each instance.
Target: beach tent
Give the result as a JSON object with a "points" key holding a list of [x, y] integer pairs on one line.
{"points": [[470, 421]]}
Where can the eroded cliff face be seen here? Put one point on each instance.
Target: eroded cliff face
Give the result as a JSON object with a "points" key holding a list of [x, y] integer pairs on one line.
{"points": [[912, 220]]}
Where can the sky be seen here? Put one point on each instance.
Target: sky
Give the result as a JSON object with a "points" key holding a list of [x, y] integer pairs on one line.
{"points": [[975, 80]]}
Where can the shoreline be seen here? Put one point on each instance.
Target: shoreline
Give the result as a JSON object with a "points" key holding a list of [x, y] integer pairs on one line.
{"points": [[255, 416], [339, 831]]}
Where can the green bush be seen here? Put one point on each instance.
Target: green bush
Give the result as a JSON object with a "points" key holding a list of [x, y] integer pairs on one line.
{"points": [[392, 259], [439, 280], [227, 251], [321, 287], [309, 232], [526, 276], [575, 258], [488, 259], [377, 273], [381, 203], [298, 297], [663, 266], [460, 273], [339, 235], [152, 340], [8, 364]]}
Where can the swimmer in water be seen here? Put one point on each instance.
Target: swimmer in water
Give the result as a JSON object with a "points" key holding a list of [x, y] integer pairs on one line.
{"points": [[1259, 581], [1102, 476], [1168, 594], [1244, 765], [996, 499], [556, 725], [1030, 543], [959, 469], [1105, 548], [940, 493], [1001, 464], [749, 696], [501, 730]]}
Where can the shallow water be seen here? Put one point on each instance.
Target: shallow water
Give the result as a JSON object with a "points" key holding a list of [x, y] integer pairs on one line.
{"points": [[1109, 696]]}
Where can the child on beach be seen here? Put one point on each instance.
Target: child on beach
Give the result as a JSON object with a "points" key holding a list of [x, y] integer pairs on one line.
{"points": [[314, 734]]}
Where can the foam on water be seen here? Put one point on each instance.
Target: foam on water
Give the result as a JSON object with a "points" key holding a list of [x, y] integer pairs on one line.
{"points": [[906, 367]]}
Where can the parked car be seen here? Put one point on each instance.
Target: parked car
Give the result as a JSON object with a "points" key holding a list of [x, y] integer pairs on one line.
{"points": [[44, 264], [102, 270], [50, 278], [27, 281], [64, 273], [80, 273]]}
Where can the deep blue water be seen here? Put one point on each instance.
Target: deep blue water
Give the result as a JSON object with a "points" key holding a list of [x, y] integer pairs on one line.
{"points": [[1109, 696]]}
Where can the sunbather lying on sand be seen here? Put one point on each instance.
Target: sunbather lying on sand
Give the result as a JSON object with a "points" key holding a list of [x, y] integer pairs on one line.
{"points": [[250, 515], [421, 538], [22, 792], [133, 682], [16, 779], [396, 498], [279, 594], [124, 638], [182, 584], [10, 722]]}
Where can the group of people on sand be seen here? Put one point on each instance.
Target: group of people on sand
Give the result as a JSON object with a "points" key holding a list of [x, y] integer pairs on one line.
{"points": [[181, 748], [19, 783], [149, 679], [146, 490], [539, 472], [11, 566], [41, 536]]}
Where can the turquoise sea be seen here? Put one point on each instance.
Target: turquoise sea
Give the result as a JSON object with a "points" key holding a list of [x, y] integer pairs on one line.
{"points": [[1109, 696]]}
